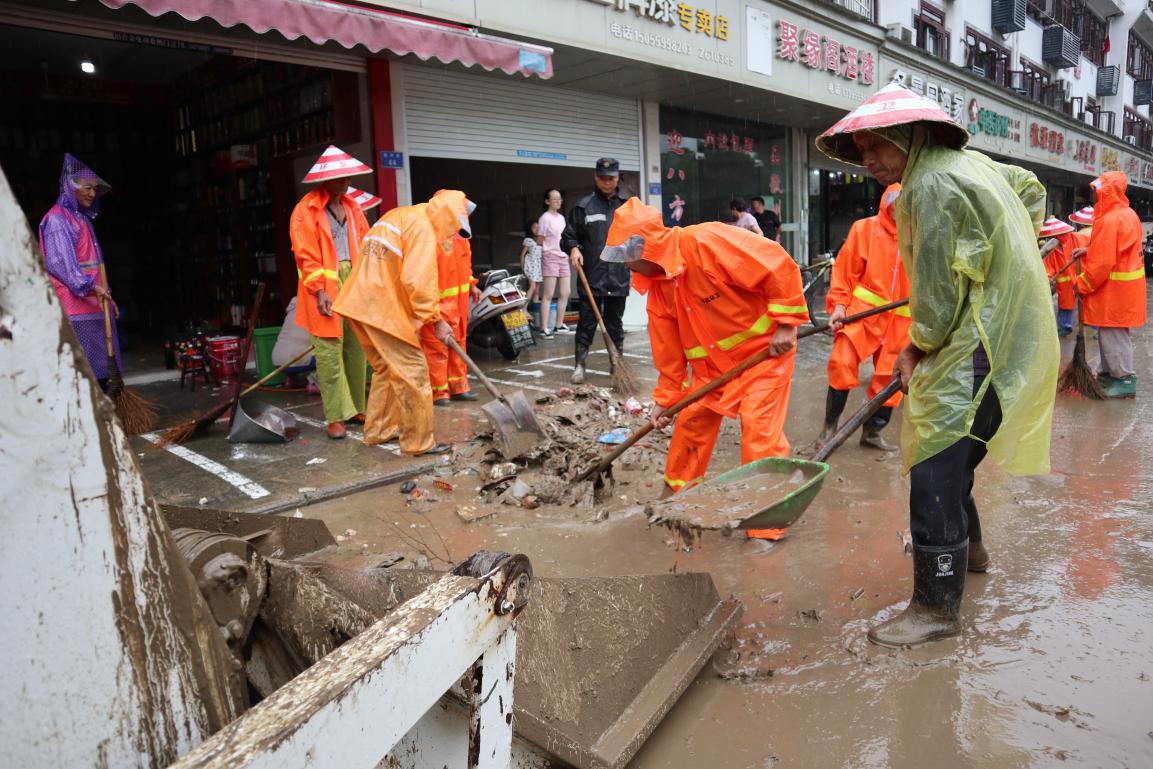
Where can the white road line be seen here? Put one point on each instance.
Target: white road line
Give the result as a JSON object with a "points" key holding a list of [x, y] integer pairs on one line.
{"points": [[356, 435], [250, 487], [524, 385], [569, 368]]}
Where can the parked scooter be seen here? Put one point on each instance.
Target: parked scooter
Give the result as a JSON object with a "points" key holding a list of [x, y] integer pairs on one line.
{"points": [[499, 319]]}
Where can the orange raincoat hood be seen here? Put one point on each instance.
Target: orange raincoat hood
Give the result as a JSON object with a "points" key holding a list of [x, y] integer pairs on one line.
{"points": [[1110, 187], [636, 218], [448, 211]]}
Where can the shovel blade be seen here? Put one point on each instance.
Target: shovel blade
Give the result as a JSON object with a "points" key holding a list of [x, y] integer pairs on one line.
{"points": [[514, 436]]}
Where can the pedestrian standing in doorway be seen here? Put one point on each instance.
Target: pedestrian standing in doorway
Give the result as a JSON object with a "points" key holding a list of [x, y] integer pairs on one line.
{"points": [[554, 266], [980, 370], [742, 218], [326, 228], [75, 263], [767, 218], [530, 264], [584, 240], [1112, 282]]}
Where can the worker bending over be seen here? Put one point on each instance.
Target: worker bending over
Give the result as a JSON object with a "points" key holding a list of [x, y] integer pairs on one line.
{"points": [[716, 296], [867, 274], [447, 372], [1112, 283], [981, 366], [390, 297]]}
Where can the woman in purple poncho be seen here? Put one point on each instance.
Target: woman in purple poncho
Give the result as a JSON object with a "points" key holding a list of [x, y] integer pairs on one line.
{"points": [[73, 260]]}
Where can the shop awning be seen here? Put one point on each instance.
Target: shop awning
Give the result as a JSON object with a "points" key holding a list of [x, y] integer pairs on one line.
{"points": [[323, 21]]}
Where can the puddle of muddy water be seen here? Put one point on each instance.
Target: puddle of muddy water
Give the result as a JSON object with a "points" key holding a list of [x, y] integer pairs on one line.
{"points": [[1054, 666]]}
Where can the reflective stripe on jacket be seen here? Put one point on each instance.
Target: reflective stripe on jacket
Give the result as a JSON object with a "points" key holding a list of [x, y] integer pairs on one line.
{"points": [[316, 261], [1112, 277]]}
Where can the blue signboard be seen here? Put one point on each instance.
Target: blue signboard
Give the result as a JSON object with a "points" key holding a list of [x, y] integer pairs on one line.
{"points": [[544, 155], [654, 188], [389, 159]]}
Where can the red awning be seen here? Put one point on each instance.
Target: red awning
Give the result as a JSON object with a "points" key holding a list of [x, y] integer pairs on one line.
{"points": [[322, 21]]}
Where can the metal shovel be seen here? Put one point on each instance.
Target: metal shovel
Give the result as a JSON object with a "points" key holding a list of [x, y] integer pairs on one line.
{"points": [[513, 420]]}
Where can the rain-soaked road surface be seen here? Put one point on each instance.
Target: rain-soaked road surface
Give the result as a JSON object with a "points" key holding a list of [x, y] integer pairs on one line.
{"points": [[1055, 666]]}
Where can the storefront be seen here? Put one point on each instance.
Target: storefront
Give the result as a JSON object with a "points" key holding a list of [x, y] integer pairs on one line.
{"points": [[204, 130]]}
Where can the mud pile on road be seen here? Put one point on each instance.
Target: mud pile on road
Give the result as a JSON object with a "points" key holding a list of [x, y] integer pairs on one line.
{"points": [[581, 425]]}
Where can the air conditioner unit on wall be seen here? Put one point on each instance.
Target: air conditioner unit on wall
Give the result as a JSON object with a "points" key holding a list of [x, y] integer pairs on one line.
{"points": [[1130, 139], [1108, 80], [1008, 16], [1060, 47], [901, 32]]}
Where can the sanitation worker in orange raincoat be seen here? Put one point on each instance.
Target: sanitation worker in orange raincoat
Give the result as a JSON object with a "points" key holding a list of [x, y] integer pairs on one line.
{"points": [[716, 295], [1112, 283], [391, 296], [868, 273], [326, 229], [1060, 279], [447, 372]]}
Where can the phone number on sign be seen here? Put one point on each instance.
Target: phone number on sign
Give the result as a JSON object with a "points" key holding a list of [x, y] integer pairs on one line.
{"points": [[625, 32]]}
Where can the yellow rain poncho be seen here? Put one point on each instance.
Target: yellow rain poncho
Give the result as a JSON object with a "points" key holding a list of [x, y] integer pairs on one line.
{"points": [[967, 230]]}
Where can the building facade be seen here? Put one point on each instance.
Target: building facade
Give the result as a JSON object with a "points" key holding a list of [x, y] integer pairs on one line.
{"points": [[701, 101]]}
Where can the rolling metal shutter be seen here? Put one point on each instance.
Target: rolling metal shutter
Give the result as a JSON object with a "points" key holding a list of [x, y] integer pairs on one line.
{"points": [[455, 115]]}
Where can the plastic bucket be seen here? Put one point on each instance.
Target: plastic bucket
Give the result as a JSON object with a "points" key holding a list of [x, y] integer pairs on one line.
{"points": [[224, 357], [264, 339]]}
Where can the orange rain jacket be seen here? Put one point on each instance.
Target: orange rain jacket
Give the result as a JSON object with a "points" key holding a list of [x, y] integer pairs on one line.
{"points": [[723, 293], [1058, 258], [395, 281], [868, 273], [454, 276], [1112, 277], [316, 262]]}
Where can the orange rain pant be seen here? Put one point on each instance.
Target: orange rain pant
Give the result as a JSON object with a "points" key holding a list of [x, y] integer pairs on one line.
{"points": [[400, 400], [762, 412], [845, 364], [447, 372]]}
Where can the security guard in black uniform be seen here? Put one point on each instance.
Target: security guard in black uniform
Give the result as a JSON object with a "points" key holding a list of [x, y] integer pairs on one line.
{"points": [[584, 238]]}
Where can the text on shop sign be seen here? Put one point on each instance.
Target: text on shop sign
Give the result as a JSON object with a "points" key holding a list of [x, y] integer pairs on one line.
{"points": [[951, 100], [810, 49], [1046, 138], [673, 13]]}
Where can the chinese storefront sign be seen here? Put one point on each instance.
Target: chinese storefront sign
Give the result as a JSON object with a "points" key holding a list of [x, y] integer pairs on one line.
{"points": [[1147, 173], [952, 100], [1045, 138], [674, 13], [992, 123], [1110, 159], [1085, 153], [823, 53]]}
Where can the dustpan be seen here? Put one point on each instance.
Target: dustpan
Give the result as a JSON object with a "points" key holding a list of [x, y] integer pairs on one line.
{"points": [[258, 422]]}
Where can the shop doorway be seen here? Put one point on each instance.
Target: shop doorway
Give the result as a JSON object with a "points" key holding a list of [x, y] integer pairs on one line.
{"points": [[508, 196], [203, 150], [836, 200]]}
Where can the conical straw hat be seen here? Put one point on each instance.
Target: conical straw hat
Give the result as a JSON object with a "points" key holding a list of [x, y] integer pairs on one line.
{"points": [[335, 163], [1083, 217], [367, 200], [893, 105], [1054, 227]]}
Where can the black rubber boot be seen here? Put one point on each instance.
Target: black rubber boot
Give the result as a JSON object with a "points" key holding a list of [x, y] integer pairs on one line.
{"points": [[871, 430], [978, 555], [835, 401], [934, 610], [578, 372]]}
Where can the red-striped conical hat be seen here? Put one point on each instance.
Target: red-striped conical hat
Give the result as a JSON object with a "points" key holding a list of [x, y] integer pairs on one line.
{"points": [[1083, 217], [1054, 227], [335, 163], [365, 200], [893, 105]]}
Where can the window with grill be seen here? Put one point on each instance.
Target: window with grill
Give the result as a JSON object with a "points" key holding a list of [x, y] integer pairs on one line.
{"points": [[866, 9], [1035, 81], [1139, 127], [1093, 33], [932, 37], [985, 58], [1139, 60]]}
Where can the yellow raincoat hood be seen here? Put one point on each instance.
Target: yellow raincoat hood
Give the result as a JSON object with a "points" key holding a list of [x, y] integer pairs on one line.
{"points": [[448, 211], [967, 230]]}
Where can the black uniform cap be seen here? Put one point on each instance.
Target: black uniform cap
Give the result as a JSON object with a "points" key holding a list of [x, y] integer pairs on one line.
{"points": [[608, 167]]}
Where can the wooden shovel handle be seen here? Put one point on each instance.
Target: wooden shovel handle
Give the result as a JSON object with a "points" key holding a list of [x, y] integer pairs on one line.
{"points": [[858, 419], [454, 345], [721, 381]]}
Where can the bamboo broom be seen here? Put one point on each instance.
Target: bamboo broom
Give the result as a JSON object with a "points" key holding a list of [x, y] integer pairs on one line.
{"points": [[1078, 378], [135, 413], [625, 382]]}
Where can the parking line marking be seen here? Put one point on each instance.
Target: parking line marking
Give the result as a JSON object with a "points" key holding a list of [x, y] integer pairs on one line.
{"points": [[569, 368], [250, 487], [523, 385]]}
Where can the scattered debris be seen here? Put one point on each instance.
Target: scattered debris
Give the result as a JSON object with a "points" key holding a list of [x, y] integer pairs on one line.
{"points": [[442, 485], [469, 513], [316, 461], [204, 500], [530, 502], [615, 436], [350, 532], [857, 594], [407, 487], [906, 538], [812, 614]]}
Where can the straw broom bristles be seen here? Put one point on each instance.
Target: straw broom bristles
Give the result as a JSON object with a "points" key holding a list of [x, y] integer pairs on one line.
{"points": [[625, 381], [1078, 378]]}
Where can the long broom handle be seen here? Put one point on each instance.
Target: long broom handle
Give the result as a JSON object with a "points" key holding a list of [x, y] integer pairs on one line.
{"points": [[722, 380], [858, 419], [255, 385], [592, 302], [107, 315], [252, 318]]}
